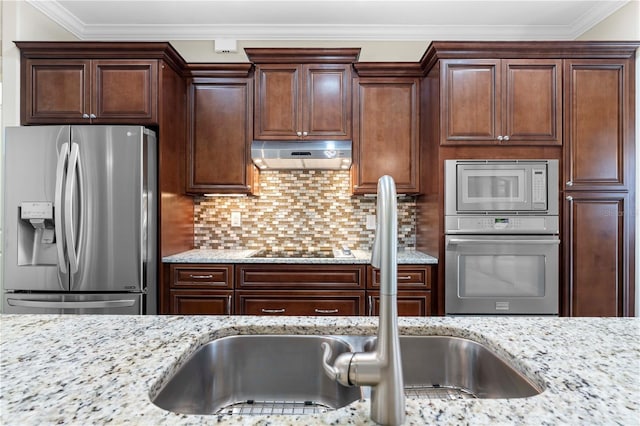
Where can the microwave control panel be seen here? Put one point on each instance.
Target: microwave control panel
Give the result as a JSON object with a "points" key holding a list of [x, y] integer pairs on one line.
{"points": [[539, 189], [501, 224]]}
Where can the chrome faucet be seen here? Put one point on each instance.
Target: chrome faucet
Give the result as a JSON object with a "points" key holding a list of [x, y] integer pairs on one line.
{"points": [[382, 368]]}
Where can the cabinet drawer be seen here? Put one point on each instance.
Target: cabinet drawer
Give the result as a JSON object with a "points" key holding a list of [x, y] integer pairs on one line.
{"points": [[219, 276], [300, 303], [410, 303], [270, 277], [194, 302], [409, 278]]}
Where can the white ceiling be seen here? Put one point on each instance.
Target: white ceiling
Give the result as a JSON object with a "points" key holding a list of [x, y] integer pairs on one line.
{"points": [[327, 19]]}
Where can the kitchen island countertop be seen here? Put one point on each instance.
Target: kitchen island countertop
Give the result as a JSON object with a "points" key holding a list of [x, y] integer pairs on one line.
{"points": [[90, 369], [408, 257]]}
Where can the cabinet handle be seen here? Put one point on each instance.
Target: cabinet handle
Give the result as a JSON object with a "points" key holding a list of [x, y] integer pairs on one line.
{"points": [[569, 198], [506, 138], [85, 115], [229, 299], [569, 183], [405, 277], [500, 138], [273, 311], [92, 116], [304, 134], [326, 311], [370, 313], [299, 134], [201, 277]]}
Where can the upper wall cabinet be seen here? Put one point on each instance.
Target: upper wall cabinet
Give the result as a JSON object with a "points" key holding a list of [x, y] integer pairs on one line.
{"points": [[599, 120], [92, 82], [220, 130], [502, 101], [90, 91], [386, 134], [302, 94]]}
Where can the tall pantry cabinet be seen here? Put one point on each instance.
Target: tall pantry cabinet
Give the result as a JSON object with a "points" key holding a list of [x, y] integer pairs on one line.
{"points": [[570, 101]]}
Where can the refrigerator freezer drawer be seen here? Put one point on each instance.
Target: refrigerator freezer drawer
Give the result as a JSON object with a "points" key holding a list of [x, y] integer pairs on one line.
{"points": [[57, 303]]}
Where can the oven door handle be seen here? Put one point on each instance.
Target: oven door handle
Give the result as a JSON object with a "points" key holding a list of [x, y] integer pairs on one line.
{"points": [[455, 241]]}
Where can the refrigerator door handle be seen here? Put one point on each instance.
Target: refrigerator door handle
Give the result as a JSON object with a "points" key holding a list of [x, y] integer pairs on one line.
{"points": [[68, 208], [60, 177], [123, 303]]}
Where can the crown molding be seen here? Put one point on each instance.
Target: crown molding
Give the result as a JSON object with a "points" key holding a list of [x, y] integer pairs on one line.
{"points": [[55, 11]]}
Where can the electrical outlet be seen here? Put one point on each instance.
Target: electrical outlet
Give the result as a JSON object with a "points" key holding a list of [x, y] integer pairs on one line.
{"points": [[371, 221], [236, 219]]}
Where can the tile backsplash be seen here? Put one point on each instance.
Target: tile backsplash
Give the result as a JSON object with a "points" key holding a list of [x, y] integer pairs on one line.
{"points": [[302, 209]]}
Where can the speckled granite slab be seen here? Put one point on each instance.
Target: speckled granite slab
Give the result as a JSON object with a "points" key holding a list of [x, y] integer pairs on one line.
{"points": [[408, 257], [83, 370]]}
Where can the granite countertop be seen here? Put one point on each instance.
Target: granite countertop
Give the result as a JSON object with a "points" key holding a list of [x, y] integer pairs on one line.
{"points": [[408, 257], [102, 369]]}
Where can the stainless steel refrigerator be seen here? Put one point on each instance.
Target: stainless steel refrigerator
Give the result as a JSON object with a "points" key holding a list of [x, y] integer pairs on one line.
{"points": [[79, 220]]}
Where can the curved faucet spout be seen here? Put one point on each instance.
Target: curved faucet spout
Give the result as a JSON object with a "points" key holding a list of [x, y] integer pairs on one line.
{"points": [[382, 368]]}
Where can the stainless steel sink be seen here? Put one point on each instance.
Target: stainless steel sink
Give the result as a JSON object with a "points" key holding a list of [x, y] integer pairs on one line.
{"points": [[282, 374], [257, 374], [454, 368]]}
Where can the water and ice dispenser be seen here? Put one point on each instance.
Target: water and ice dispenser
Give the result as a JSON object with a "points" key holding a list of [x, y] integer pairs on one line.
{"points": [[36, 234]]}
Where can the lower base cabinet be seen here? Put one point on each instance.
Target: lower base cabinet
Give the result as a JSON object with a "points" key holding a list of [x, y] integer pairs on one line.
{"points": [[198, 302], [300, 302], [291, 289], [410, 303]]}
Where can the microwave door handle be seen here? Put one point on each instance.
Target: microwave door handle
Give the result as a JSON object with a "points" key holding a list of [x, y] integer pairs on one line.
{"points": [[124, 303], [58, 212], [455, 241], [68, 208]]}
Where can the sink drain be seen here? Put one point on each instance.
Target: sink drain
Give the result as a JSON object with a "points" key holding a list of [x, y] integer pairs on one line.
{"points": [[251, 407]]}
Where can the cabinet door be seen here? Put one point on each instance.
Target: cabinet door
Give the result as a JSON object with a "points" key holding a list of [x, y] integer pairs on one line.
{"points": [[410, 277], [326, 105], [471, 101], [596, 254], [55, 91], [124, 91], [532, 110], [410, 303], [386, 134], [220, 116], [205, 277], [194, 302], [300, 302], [278, 100], [598, 129]]}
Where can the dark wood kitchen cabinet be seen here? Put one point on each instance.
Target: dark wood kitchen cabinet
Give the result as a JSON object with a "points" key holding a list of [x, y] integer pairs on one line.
{"points": [[501, 101], [297, 289], [597, 254], [220, 118], [200, 289], [302, 94], [414, 290], [386, 133], [96, 91], [599, 168]]}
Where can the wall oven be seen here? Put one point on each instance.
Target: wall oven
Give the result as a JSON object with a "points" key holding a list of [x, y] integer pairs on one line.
{"points": [[501, 237]]}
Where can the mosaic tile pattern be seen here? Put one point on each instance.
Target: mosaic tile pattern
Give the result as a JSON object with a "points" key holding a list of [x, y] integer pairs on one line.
{"points": [[305, 209]]}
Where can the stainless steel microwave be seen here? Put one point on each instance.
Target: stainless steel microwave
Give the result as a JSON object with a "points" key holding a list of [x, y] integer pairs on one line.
{"points": [[501, 186]]}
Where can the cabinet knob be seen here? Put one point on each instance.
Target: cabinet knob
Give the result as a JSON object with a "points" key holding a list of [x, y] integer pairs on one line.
{"points": [[299, 134], [85, 115], [92, 116], [569, 198], [569, 183], [500, 138], [506, 138], [304, 134]]}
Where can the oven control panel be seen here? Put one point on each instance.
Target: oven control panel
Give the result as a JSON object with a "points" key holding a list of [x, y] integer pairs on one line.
{"points": [[502, 224]]}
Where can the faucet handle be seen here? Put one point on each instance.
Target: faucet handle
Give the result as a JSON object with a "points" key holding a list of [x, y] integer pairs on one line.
{"points": [[340, 370]]}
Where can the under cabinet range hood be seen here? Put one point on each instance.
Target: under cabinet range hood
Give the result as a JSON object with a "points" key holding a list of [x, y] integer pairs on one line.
{"points": [[312, 155]]}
